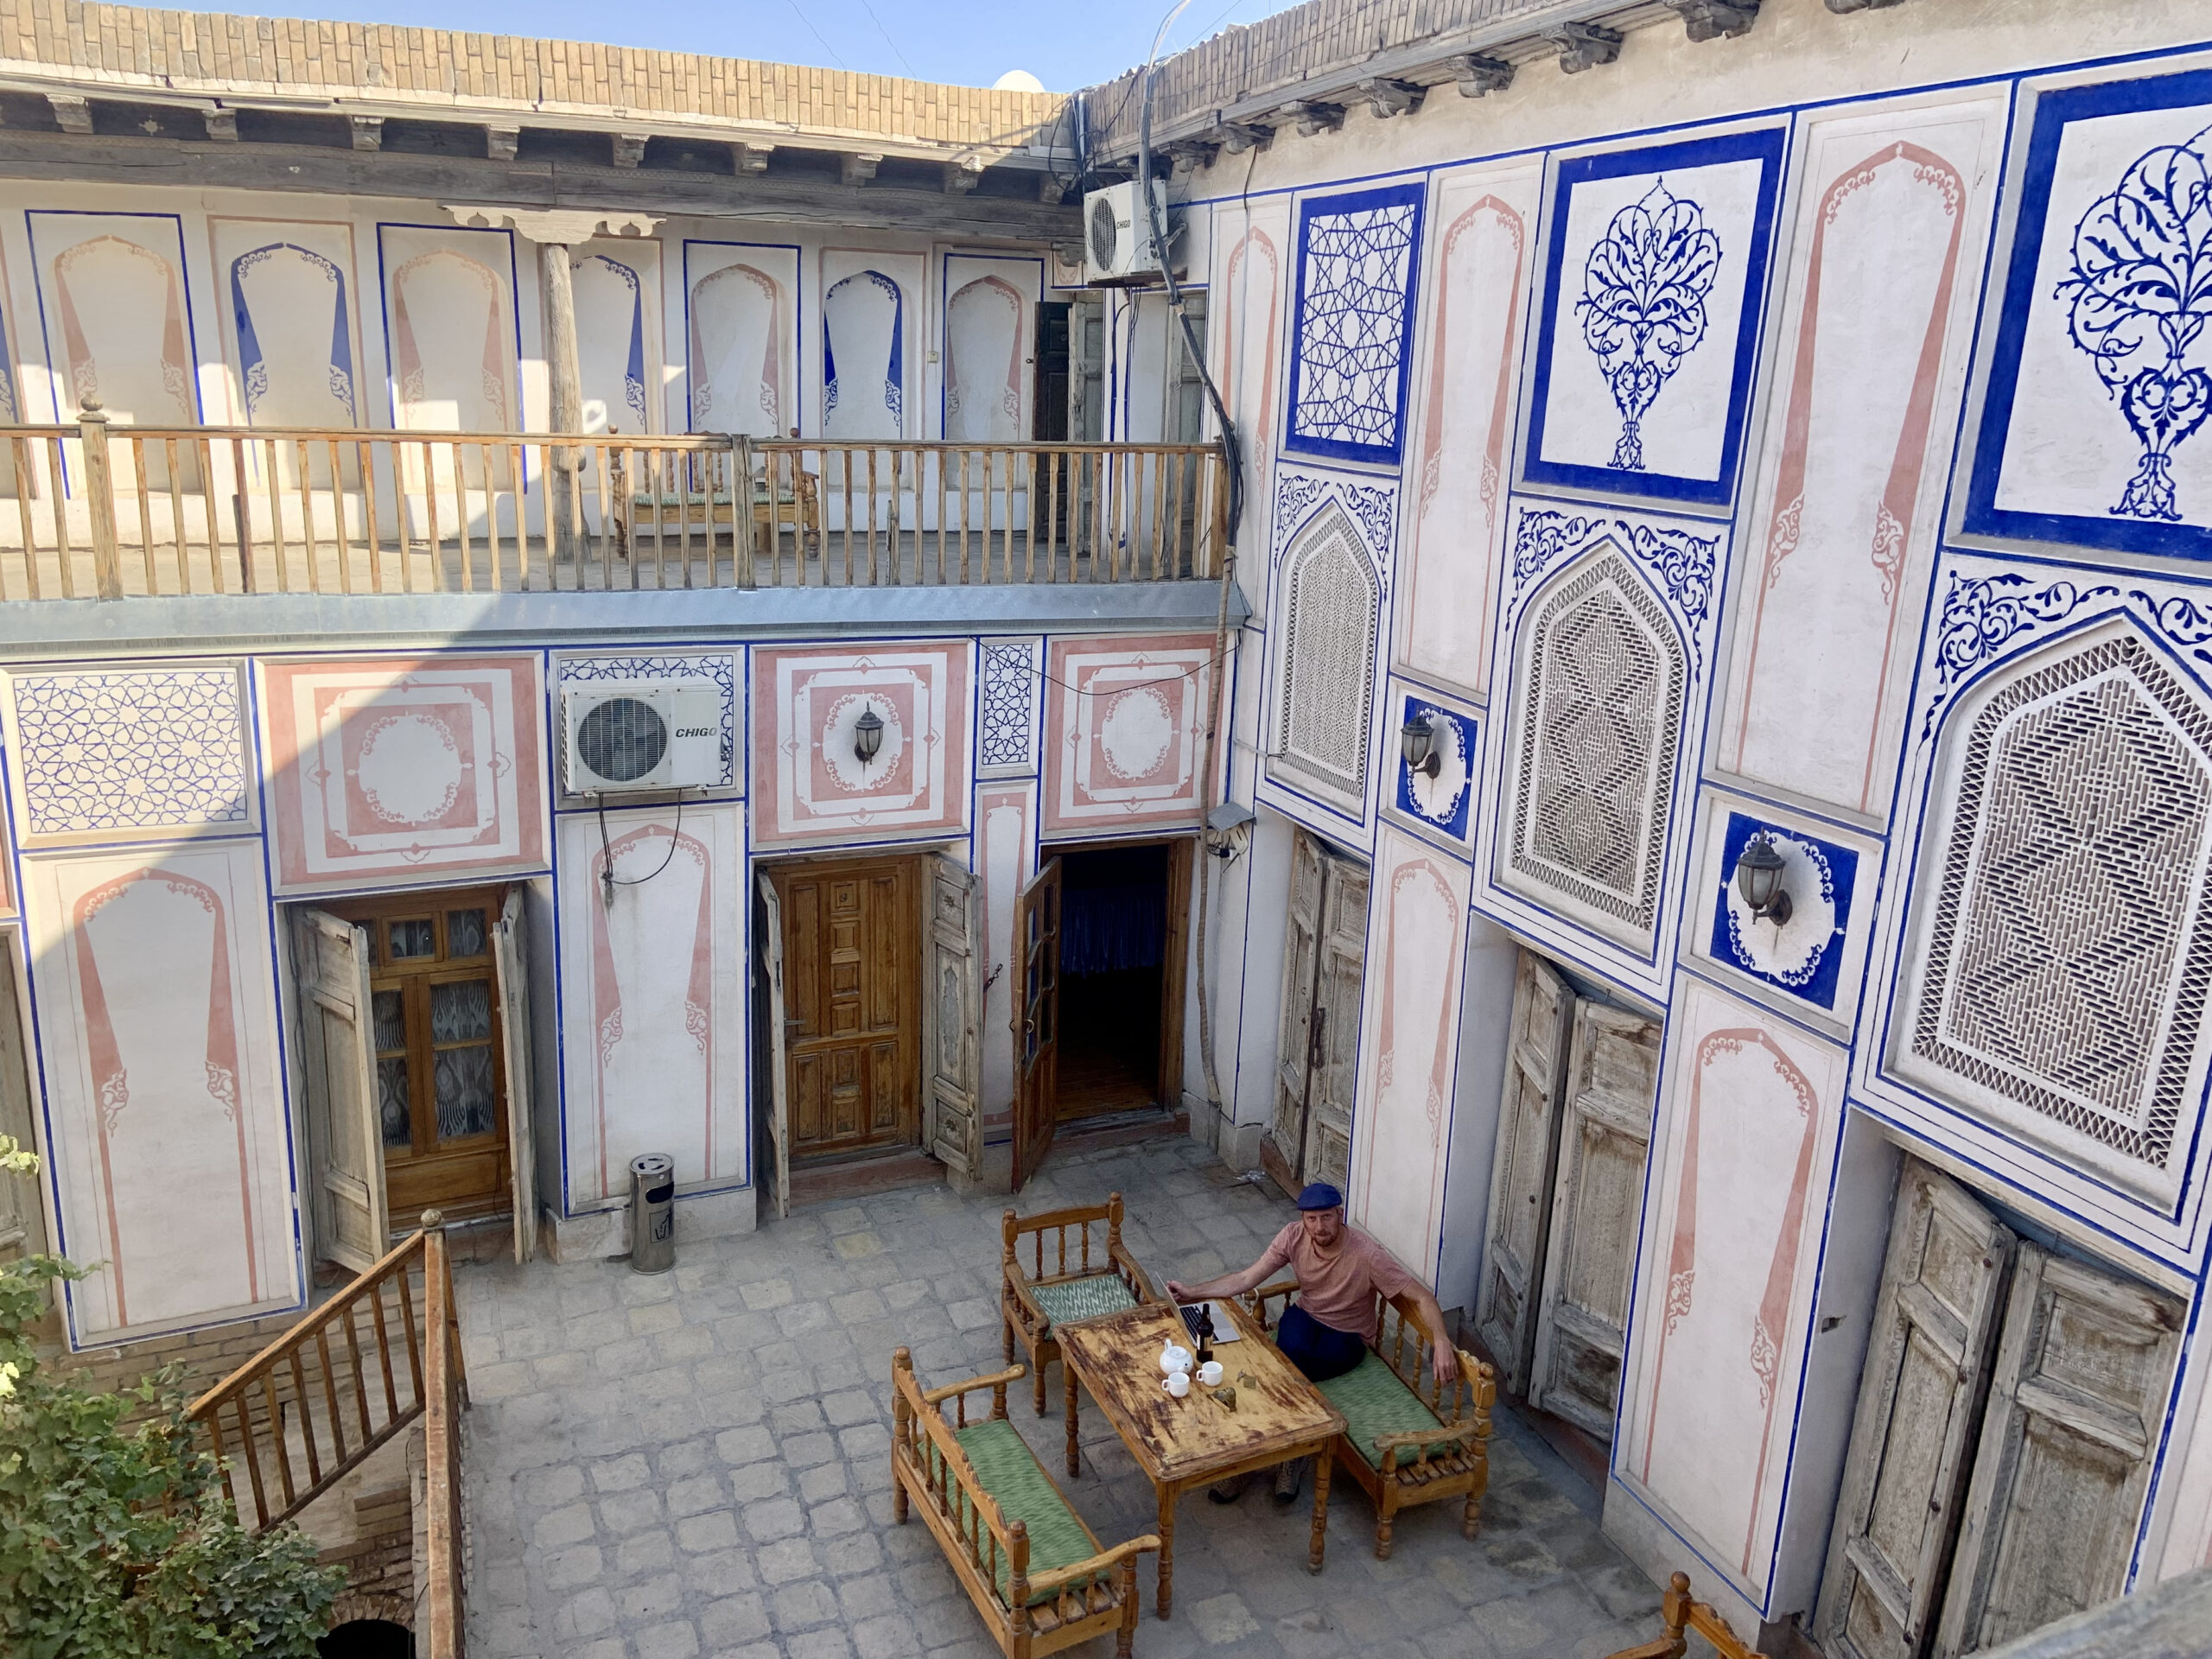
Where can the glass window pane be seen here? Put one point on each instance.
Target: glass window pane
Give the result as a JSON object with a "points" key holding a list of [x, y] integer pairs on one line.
{"points": [[464, 933], [391, 1101], [414, 938], [390, 1012], [464, 1083], [461, 1013]]}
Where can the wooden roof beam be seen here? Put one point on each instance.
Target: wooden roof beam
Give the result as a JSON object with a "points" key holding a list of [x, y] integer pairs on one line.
{"points": [[1715, 20]]}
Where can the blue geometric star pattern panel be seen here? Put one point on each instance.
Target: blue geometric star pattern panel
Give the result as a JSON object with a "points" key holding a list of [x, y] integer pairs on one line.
{"points": [[1006, 736], [131, 753], [1439, 796], [1649, 322], [1804, 954], [2100, 370], [1357, 255]]}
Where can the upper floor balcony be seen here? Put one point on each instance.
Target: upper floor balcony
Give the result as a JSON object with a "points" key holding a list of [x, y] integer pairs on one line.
{"points": [[106, 511]]}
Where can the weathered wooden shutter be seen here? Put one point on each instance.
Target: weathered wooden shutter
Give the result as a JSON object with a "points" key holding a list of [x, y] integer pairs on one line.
{"points": [[952, 1112], [1604, 1137], [1522, 1166], [22, 1221], [772, 1017], [1336, 1005], [1036, 1039], [1920, 1393], [510, 962], [1282, 1149], [2075, 1404], [339, 1075]]}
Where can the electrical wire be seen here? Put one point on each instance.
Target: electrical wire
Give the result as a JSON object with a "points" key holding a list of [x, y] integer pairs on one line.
{"points": [[893, 44], [608, 879], [1155, 213]]}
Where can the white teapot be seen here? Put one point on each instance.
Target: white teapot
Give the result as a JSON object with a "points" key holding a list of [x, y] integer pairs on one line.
{"points": [[1173, 1358]]}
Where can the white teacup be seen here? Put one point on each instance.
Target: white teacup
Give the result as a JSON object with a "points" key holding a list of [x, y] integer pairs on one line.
{"points": [[1179, 1383], [1210, 1374]]}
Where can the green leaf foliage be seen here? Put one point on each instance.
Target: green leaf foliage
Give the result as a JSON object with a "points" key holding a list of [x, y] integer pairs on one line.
{"points": [[116, 1540]]}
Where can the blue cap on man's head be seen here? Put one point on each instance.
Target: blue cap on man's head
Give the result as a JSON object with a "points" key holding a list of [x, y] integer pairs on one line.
{"points": [[1320, 1195]]}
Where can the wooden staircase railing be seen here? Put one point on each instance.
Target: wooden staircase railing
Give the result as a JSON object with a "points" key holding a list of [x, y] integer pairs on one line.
{"points": [[314, 1404], [1681, 1615]]}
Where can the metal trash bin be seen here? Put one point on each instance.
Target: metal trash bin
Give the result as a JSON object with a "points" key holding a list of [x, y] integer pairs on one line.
{"points": [[652, 1213]]}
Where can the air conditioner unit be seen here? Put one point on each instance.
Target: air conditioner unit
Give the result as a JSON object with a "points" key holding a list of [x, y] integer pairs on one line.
{"points": [[643, 734], [1117, 243]]}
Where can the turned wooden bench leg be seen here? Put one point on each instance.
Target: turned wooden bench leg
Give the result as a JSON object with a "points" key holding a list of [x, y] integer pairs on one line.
{"points": [[1322, 1460], [1470, 1518], [1075, 1454], [1047, 1351], [1127, 1635], [1386, 1514]]}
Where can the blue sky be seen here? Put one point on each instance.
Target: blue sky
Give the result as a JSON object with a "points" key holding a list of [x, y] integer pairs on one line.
{"points": [[971, 43]]}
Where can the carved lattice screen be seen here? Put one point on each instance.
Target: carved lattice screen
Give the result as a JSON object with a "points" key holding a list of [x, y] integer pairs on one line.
{"points": [[1330, 618], [1601, 682], [2069, 949]]}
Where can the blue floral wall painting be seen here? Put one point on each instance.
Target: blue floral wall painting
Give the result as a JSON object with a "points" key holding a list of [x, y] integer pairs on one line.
{"points": [[1643, 304], [2100, 374], [1804, 954], [1649, 328]]}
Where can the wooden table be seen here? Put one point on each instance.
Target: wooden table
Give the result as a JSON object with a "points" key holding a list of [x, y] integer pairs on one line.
{"points": [[1197, 1440]]}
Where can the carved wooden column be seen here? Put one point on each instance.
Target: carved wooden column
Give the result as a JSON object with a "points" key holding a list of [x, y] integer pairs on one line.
{"points": [[557, 233], [564, 398]]}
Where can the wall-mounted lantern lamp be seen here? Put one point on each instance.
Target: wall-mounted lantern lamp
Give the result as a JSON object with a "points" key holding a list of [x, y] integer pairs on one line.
{"points": [[1417, 738], [1758, 879], [868, 734]]}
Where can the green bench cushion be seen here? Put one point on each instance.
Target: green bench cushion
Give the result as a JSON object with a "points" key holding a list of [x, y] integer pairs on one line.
{"points": [[1009, 1473], [1376, 1402], [1076, 1300]]}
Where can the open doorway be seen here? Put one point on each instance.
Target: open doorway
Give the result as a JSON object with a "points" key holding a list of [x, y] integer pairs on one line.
{"points": [[1115, 932], [1099, 1016]]}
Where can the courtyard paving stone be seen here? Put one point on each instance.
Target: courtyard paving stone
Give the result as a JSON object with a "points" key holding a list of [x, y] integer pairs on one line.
{"points": [[697, 1465]]}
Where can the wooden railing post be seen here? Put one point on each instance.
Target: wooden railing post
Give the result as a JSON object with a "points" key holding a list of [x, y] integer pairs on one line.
{"points": [[446, 1390], [99, 492]]}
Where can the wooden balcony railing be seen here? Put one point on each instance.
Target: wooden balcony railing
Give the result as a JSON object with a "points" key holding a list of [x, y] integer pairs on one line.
{"points": [[311, 1407], [102, 509]]}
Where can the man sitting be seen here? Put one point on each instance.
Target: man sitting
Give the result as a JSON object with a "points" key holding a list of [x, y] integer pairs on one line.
{"points": [[1341, 1271]]}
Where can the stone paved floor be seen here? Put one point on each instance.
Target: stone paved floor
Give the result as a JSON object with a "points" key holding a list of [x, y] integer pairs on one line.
{"points": [[698, 1463]]}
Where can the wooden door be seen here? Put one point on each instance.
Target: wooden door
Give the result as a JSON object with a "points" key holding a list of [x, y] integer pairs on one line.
{"points": [[1338, 982], [773, 1016], [952, 1104], [1174, 970], [1920, 1392], [1604, 1137], [1037, 1023], [852, 984], [1282, 1149], [2077, 1403], [1522, 1168], [22, 1221], [510, 970], [347, 1120], [440, 1051]]}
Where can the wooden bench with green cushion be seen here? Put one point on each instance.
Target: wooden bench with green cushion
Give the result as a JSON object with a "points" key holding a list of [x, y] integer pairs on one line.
{"points": [[1034, 1571], [1073, 1279], [1407, 1440]]}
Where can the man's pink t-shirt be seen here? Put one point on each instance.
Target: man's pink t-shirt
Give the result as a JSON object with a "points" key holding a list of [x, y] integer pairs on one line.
{"points": [[1338, 1285]]}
